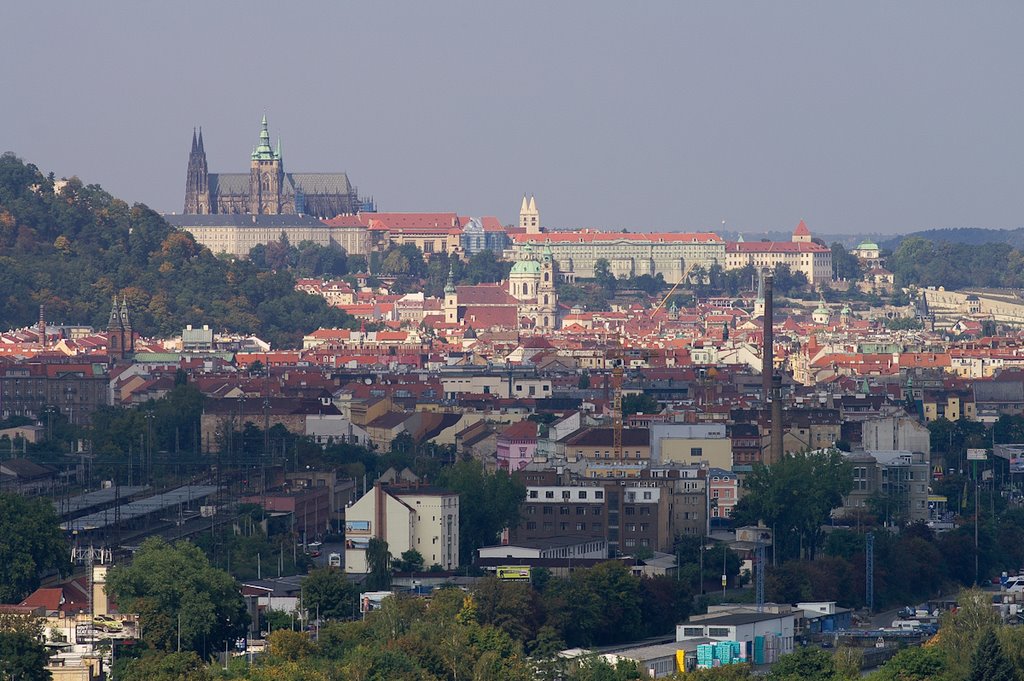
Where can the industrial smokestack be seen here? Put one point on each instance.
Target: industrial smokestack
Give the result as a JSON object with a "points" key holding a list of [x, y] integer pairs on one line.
{"points": [[768, 338], [777, 427], [42, 325]]}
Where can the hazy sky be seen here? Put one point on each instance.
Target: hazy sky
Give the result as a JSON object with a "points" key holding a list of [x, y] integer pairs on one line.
{"points": [[858, 117]]}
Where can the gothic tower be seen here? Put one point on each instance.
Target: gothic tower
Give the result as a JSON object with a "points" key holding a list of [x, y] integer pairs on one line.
{"points": [[266, 175], [197, 183], [128, 337], [529, 216], [115, 343]]}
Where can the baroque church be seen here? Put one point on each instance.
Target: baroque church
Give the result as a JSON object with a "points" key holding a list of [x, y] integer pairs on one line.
{"points": [[266, 189], [529, 301]]}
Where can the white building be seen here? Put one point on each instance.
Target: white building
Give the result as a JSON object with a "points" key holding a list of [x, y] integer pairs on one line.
{"points": [[801, 253], [742, 626], [425, 519]]}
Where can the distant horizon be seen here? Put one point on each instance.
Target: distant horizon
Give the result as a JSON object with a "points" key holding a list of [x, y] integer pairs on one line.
{"points": [[868, 118]]}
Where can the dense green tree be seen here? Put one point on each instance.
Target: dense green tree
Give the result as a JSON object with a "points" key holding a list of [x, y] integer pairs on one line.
{"points": [[410, 561], [378, 564], [964, 628], [795, 496], [31, 544], [161, 666], [513, 607], [804, 664], [174, 589], [326, 591], [642, 403], [603, 276], [912, 664], [22, 653], [596, 669], [989, 662], [488, 503], [844, 264], [485, 267]]}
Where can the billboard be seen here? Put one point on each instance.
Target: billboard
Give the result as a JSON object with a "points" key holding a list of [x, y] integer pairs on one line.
{"points": [[357, 526], [371, 600], [977, 454], [513, 573]]}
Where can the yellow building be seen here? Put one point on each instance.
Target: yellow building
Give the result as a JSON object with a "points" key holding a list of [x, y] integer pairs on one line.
{"points": [[691, 444]]}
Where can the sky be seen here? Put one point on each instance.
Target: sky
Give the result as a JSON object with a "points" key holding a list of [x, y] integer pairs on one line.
{"points": [[868, 117]]}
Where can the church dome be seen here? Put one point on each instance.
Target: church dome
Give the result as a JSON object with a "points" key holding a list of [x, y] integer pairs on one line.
{"points": [[526, 267]]}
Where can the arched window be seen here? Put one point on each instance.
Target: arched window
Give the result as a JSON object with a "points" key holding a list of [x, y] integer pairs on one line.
{"points": [[526, 289], [545, 300], [547, 276]]}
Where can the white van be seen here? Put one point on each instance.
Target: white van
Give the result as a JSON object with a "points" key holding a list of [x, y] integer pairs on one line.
{"points": [[334, 560]]}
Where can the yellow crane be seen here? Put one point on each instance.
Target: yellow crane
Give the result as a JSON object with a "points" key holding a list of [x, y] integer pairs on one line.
{"points": [[686, 276]]}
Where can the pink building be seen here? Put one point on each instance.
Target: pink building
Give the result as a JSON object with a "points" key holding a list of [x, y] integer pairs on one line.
{"points": [[517, 445], [723, 493]]}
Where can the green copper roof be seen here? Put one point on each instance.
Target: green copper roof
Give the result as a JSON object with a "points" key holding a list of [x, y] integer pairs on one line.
{"points": [[526, 267], [263, 151]]}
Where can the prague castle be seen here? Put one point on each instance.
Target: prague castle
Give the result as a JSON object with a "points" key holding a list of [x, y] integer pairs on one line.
{"points": [[266, 189]]}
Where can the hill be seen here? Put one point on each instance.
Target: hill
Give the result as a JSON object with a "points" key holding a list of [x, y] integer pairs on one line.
{"points": [[973, 236], [75, 249]]}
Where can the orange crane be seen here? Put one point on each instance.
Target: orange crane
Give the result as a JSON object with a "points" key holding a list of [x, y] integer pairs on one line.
{"points": [[617, 357]]}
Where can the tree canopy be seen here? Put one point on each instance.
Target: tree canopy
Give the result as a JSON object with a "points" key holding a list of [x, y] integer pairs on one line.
{"points": [[796, 496], [174, 588], [488, 503], [31, 544], [74, 250]]}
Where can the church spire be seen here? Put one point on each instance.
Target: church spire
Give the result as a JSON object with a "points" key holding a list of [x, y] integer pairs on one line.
{"points": [[115, 317], [449, 289], [263, 151], [201, 150], [195, 145]]}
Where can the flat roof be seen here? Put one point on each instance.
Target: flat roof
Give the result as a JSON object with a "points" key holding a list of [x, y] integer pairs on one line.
{"points": [[142, 507], [96, 498], [737, 619]]}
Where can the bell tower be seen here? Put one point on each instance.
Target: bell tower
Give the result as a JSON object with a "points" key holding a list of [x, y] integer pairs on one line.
{"points": [[529, 216], [266, 174]]}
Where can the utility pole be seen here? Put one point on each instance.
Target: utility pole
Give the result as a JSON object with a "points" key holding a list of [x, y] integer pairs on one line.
{"points": [[869, 570]]}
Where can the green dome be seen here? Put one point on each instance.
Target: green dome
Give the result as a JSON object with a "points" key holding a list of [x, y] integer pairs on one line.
{"points": [[867, 246], [526, 267]]}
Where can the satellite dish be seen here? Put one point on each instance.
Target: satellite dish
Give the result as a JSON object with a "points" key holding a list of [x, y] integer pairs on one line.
{"points": [[367, 380]]}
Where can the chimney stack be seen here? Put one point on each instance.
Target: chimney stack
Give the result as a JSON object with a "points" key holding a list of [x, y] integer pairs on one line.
{"points": [[42, 324], [768, 338]]}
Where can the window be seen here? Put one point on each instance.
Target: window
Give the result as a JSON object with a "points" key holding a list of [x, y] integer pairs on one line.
{"points": [[583, 494], [566, 494], [580, 527], [714, 632], [599, 494], [548, 510], [531, 526], [531, 510], [563, 510], [696, 451], [580, 510], [630, 510], [696, 632], [533, 494], [647, 495], [549, 495]]}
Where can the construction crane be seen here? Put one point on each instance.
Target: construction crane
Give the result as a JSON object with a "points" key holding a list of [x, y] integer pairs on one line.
{"points": [[617, 358], [685, 277]]}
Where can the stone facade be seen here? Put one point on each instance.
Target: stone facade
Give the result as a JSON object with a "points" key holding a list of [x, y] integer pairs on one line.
{"points": [[266, 189]]}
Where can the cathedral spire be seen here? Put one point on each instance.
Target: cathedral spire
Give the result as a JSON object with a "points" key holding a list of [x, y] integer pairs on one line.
{"points": [[201, 150], [264, 152], [195, 146]]}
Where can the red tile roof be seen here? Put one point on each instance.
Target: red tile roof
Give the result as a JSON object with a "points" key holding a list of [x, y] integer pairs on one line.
{"points": [[587, 236]]}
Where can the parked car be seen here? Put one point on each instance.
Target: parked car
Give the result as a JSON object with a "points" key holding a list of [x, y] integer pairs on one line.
{"points": [[106, 623]]}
